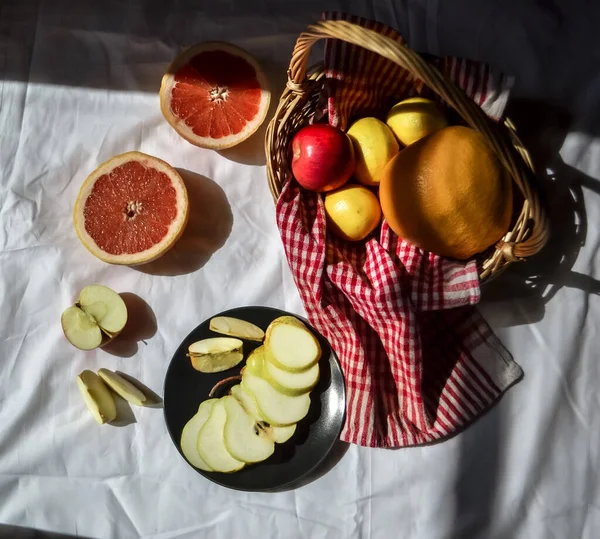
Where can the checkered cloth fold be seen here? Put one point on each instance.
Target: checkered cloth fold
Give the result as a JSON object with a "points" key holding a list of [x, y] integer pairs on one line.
{"points": [[419, 361]]}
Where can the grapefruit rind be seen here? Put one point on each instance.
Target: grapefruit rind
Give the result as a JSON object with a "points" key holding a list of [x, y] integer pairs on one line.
{"points": [[168, 82], [176, 227]]}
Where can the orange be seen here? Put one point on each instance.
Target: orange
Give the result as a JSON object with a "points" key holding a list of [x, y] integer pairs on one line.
{"points": [[353, 212], [448, 194], [214, 95], [131, 209]]}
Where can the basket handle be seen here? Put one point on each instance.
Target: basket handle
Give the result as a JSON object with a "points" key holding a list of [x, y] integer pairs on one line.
{"points": [[451, 94]]}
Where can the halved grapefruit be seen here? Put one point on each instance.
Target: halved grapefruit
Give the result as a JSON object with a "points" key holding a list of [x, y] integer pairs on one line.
{"points": [[214, 95], [131, 209]]}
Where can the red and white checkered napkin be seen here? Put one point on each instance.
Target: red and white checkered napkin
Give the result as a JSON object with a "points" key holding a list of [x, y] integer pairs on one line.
{"points": [[418, 359]]}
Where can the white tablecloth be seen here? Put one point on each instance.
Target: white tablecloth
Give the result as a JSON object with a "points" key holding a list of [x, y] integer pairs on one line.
{"points": [[78, 84]]}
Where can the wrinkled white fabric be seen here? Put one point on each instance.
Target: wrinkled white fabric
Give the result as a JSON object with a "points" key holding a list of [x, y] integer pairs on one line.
{"points": [[79, 83]]}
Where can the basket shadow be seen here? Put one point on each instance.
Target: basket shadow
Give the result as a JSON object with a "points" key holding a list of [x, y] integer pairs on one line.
{"points": [[141, 325], [207, 230], [543, 128]]}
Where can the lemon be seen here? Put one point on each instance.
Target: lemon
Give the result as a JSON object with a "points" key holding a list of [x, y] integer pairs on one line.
{"points": [[374, 146], [414, 118], [353, 212]]}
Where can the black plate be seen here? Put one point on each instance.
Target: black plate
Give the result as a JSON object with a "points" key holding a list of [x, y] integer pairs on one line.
{"points": [[185, 388]]}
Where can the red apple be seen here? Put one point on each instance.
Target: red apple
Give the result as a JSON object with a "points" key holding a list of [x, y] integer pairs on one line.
{"points": [[323, 157]]}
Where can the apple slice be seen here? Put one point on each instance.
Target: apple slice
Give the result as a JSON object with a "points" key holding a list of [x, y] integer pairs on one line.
{"points": [[217, 354], [290, 346], [288, 383], [123, 388], [97, 317], [235, 327], [245, 439], [97, 397], [211, 442], [278, 409], [189, 436], [278, 434]]}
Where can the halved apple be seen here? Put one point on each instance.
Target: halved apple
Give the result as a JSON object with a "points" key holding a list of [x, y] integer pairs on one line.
{"points": [[122, 387], [278, 409], [234, 327], [189, 436], [97, 397], [216, 354], [97, 317], [279, 435], [245, 439], [290, 346], [288, 383], [211, 442]]}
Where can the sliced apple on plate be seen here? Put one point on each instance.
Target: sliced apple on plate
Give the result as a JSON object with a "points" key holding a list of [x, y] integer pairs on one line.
{"points": [[211, 442], [290, 346], [245, 438], [288, 383], [234, 327], [190, 433], [279, 435], [216, 354], [97, 317], [278, 409], [97, 397]]}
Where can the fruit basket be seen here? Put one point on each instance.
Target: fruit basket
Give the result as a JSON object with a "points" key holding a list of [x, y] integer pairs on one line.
{"points": [[300, 102]]}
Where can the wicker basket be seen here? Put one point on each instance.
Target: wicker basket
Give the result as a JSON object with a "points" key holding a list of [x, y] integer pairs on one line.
{"points": [[300, 99]]}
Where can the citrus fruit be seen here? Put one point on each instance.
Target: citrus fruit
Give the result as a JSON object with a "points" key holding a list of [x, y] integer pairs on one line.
{"points": [[214, 95], [353, 212], [131, 209], [448, 194], [374, 145], [414, 118]]}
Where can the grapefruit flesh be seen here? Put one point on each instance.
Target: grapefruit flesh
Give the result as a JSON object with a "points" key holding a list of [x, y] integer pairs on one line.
{"points": [[131, 209], [214, 95]]}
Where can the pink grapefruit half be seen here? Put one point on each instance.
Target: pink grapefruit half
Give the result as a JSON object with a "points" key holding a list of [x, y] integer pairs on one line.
{"points": [[214, 95], [131, 209]]}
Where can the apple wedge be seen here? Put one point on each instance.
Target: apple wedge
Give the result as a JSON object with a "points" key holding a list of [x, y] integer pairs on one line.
{"points": [[245, 439], [97, 397], [123, 388], [189, 436], [235, 327], [278, 409], [279, 435], [211, 442], [216, 354], [290, 346], [97, 317], [288, 383]]}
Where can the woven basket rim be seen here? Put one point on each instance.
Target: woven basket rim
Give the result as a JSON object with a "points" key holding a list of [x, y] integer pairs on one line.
{"points": [[530, 231]]}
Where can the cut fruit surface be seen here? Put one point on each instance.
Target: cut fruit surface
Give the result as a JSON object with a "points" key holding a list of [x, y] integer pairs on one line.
{"points": [[214, 95], [80, 329], [211, 442], [122, 387], [105, 306], [189, 436], [97, 397], [235, 327], [131, 209], [245, 440], [215, 354], [98, 316], [279, 434], [290, 346], [288, 383], [278, 409]]}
